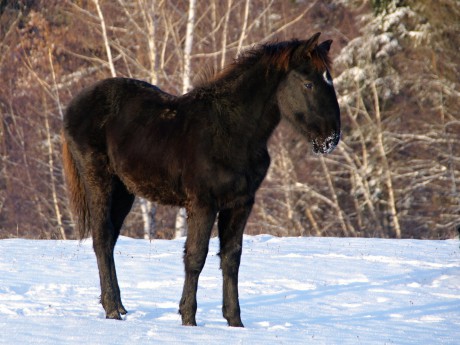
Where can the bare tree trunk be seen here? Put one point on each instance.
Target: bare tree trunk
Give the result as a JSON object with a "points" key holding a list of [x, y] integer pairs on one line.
{"points": [[243, 30], [313, 222], [346, 226], [386, 166], [106, 39], [148, 211], [359, 180], [181, 223], [3, 160], [214, 18], [224, 33], [186, 85], [151, 39], [27, 169], [290, 23], [57, 210], [286, 166], [181, 217]]}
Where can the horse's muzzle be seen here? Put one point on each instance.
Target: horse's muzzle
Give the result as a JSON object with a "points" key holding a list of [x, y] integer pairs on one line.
{"points": [[326, 145]]}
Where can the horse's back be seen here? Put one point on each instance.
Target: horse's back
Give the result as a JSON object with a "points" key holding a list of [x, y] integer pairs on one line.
{"points": [[89, 113]]}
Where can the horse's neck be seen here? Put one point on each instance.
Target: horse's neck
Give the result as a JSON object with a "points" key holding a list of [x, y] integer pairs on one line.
{"points": [[254, 108]]}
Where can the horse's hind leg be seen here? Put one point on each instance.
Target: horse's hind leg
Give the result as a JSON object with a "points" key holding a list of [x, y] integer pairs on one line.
{"points": [[200, 221], [101, 189], [122, 201], [231, 227]]}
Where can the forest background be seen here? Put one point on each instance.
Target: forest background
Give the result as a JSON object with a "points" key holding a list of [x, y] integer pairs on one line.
{"points": [[395, 174]]}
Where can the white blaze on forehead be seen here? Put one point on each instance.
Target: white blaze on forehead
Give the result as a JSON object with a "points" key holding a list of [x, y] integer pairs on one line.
{"points": [[327, 77]]}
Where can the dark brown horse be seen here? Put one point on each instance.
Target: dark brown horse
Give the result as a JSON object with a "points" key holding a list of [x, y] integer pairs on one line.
{"points": [[205, 150]]}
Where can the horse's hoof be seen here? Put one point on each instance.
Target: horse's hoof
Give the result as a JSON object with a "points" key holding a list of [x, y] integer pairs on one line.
{"points": [[235, 323], [190, 322], [115, 315]]}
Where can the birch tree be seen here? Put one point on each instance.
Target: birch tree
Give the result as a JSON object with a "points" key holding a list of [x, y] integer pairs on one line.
{"points": [[105, 38], [396, 78], [181, 217], [186, 84]]}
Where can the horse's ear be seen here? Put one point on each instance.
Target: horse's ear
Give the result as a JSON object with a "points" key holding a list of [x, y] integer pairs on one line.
{"points": [[306, 47], [312, 42], [326, 45]]}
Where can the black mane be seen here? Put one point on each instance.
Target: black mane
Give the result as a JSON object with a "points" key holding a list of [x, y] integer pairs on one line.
{"points": [[272, 55]]}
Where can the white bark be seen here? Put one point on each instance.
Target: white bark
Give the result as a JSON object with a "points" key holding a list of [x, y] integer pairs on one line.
{"points": [[148, 13], [148, 211], [57, 209], [346, 226], [243, 30], [181, 223], [386, 165], [181, 217], [224, 34], [106, 39], [186, 84]]}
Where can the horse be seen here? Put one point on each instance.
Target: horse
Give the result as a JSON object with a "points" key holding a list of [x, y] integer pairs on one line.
{"points": [[205, 150]]}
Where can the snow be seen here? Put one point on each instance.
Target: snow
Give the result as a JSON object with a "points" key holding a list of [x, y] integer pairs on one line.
{"points": [[292, 291]]}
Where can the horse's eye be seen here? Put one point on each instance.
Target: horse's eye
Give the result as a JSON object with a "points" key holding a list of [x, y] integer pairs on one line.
{"points": [[308, 86]]}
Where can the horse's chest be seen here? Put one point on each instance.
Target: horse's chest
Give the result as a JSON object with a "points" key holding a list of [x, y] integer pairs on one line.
{"points": [[228, 188], [235, 181]]}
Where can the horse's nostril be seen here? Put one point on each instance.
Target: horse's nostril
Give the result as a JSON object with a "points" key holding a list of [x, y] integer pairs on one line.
{"points": [[327, 145]]}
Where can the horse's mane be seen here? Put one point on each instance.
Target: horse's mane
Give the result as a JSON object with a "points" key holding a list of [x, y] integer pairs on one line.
{"points": [[321, 59], [273, 55]]}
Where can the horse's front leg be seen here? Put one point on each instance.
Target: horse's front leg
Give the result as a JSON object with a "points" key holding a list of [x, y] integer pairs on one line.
{"points": [[200, 221], [231, 227]]}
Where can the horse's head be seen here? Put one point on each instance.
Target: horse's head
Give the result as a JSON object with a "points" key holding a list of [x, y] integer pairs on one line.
{"points": [[306, 97]]}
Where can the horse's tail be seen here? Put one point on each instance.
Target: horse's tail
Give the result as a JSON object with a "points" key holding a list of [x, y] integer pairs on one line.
{"points": [[76, 191]]}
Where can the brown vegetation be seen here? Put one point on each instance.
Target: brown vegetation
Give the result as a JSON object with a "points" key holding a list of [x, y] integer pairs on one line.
{"points": [[395, 174]]}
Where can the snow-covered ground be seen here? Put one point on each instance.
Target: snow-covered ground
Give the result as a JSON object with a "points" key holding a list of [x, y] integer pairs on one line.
{"points": [[292, 291]]}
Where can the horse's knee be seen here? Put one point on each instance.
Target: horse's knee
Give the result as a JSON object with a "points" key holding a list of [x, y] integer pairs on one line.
{"points": [[230, 259], [195, 253], [194, 260]]}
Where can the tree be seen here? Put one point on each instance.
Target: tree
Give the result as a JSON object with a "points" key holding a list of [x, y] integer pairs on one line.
{"points": [[396, 69]]}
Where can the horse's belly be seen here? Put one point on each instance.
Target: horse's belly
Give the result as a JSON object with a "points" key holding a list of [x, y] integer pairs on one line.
{"points": [[146, 173], [163, 195], [157, 189]]}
